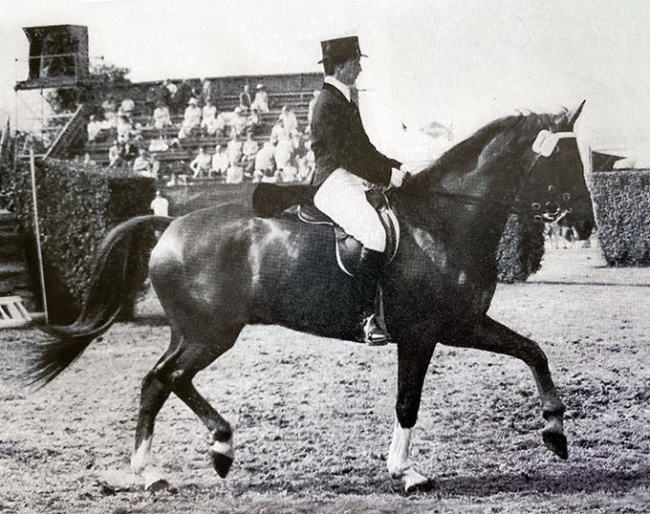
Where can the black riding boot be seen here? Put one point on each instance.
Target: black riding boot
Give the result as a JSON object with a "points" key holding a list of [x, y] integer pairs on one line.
{"points": [[370, 265]]}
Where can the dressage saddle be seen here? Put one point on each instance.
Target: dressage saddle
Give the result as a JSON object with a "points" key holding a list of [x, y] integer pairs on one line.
{"points": [[297, 202]]}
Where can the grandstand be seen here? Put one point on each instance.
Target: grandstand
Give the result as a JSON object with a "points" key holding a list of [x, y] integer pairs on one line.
{"points": [[292, 90]]}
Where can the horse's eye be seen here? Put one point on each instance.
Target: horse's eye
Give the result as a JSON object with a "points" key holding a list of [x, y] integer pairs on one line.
{"points": [[566, 197]]}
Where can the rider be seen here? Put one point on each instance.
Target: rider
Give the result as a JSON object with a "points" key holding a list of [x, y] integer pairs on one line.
{"points": [[347, 166]]}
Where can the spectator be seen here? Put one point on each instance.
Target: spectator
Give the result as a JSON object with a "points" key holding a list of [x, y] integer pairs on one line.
{"points": [[264, 162], [239, 121], [191, 119], [261, 101], [284, 152], [110, 112], [115, 155], [201, 165], [207, 94], [158, 145], [278, 132], [160, 205], [306, 164], [235, 171], [142, 164], [127, 107], [161, 117], [213, 126], [288, 119], [249, 151], [124, 128], [209, 110], [94, 128], [220, 161], [245, 99]]}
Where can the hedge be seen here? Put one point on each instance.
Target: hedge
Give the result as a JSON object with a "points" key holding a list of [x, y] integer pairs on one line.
{"points": [[77, 207], [622, 207]]}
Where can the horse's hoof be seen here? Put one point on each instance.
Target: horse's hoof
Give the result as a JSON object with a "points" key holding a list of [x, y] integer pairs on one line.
{"points": [[157, 485], [421, 487], [556, 442], [221, 463]]}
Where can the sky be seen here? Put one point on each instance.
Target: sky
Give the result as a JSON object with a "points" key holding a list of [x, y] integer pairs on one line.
{"points": [[462, 63]]}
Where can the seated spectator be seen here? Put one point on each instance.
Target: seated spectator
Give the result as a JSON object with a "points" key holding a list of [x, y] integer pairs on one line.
{"points": [[290, 173], [158, 145], [142, 164], [278, 132], [213, 123], [124, 128], [239, 121], [110, 112], [253, 122], [207, 94], [88, 161], [245, 99], [220, 161], [94, 128], [202, 164], [161, 116], [264, 162], [261, 100], [115, 154], [235, 172], [306, 164], [191, 119], [127, 107], [249, 151], [288, 119], [284, 152]]}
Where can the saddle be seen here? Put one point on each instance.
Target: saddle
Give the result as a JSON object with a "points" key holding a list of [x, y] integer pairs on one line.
{"points": [[296, 202]]}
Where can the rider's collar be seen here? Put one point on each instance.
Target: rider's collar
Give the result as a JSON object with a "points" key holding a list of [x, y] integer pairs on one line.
{"points": [[345, 90]]}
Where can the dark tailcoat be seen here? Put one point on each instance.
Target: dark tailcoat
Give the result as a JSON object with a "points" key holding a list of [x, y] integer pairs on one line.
{"points": [[339, 140]]}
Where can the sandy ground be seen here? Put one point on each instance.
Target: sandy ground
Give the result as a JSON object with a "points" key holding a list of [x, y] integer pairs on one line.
{"points": [[313, 416]]}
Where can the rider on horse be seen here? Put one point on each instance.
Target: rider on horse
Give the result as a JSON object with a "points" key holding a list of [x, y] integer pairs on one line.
{"points": [[347, 166]]}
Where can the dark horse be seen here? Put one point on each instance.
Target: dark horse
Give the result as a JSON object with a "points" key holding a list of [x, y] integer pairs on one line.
{"points": [[214, 277]]}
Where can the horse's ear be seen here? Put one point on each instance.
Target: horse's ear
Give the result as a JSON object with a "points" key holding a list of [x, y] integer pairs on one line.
{"points": [[573, 116]]}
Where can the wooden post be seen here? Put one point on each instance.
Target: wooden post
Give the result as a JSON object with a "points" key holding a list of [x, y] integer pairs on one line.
{"points": [[37, 233]]}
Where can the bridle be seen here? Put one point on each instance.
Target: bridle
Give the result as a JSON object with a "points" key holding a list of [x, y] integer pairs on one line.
{"points": [[544, 145]]}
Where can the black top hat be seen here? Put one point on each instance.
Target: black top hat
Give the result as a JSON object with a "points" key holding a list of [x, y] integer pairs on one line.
{"points": [[337, 51]]}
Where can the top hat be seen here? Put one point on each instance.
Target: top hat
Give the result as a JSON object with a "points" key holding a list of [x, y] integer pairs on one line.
{"points": [[337, 51]]}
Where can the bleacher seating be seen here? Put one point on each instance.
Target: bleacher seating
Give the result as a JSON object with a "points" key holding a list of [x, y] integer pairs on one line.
{"points": [[291, 92]]}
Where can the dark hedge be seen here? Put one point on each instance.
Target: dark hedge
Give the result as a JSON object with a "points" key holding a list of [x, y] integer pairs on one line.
{"points": [[622, 207], [521, 248], [77, 207]]}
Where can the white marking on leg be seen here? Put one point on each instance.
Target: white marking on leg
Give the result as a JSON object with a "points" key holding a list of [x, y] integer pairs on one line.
{"points": [[398, 454], [141, 456], [227, 448], [398, 459]]}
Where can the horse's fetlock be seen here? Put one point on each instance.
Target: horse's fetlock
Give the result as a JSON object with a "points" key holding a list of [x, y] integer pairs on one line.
{"points": [[555, 412], [221, 435]]}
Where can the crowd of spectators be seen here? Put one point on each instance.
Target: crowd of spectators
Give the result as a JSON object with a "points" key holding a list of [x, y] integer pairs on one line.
{"points": [[284, 157]]}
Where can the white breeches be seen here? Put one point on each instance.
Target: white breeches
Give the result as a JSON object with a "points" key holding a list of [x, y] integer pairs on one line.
{"points": [[342, 196]]}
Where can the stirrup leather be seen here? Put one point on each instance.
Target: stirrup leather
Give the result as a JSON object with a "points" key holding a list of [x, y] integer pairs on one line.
{"points": [[373, 333]]}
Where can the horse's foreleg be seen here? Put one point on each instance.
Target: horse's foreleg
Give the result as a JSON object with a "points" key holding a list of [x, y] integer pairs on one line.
{"points": [[413, 361], [494, 337]]}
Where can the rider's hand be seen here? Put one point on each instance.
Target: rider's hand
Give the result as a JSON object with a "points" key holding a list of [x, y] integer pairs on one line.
{"points": [[396, 177]]}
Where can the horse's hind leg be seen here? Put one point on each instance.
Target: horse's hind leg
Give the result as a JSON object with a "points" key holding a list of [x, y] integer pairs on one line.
{"points": [[153, 395], [193, 354], [494, 337]]}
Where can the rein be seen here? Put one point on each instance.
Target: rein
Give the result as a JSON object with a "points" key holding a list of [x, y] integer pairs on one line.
{"points": [[543, 146]]}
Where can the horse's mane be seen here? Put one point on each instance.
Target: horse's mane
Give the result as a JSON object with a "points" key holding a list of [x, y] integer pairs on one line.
{"points": [[515, 129]]}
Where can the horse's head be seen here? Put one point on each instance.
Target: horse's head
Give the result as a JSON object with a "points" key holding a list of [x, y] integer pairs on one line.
{"points": [[553, 184]]}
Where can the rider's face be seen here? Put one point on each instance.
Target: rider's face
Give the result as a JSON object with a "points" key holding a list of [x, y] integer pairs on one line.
{"points": [[349, 71]]}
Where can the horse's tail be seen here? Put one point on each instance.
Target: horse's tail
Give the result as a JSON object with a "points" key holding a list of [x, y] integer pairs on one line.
{"points": [[118, 271]]}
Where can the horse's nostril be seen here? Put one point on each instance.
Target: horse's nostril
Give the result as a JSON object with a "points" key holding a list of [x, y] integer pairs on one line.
{"points": [[551, 188], [536, 206], [538, 217], [566, 197]]}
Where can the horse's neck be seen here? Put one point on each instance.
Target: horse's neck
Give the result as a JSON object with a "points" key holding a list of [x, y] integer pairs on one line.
{"points": [[473, 196]]}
